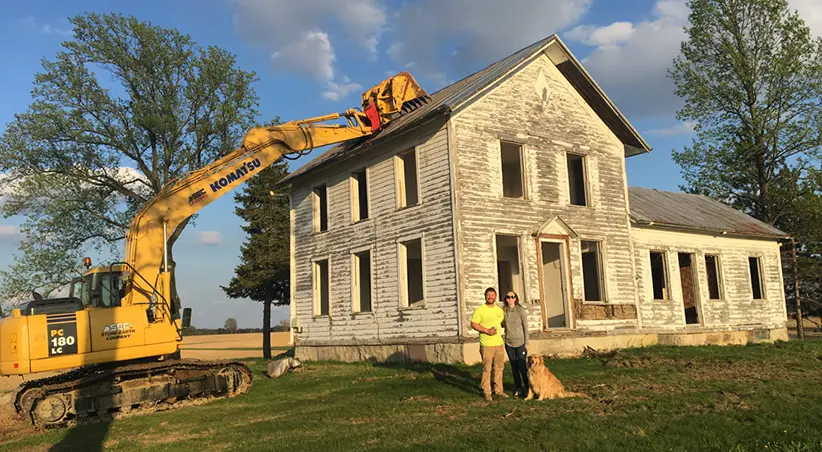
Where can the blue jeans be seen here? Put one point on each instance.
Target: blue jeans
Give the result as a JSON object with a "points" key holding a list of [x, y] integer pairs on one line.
{"points": [[517, 356]]}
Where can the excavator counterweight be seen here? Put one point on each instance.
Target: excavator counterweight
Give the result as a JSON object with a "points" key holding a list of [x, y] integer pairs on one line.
{"points": [[120, 328]]}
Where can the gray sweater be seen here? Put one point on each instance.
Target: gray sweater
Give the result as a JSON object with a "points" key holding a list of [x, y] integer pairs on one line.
{"points": [[516, 326]]}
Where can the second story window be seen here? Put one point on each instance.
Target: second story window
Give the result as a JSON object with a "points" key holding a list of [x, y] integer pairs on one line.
{"points": [[577, 180], [512, 185], [359, 196], [320, 207], [408, 193]]}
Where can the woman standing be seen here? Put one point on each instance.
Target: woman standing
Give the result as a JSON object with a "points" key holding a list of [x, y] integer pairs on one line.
{"points": [[516, 341]]}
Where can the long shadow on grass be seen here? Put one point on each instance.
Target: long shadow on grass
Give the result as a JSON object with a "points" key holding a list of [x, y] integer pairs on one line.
{"points": [[88, 438], [445, 373]]}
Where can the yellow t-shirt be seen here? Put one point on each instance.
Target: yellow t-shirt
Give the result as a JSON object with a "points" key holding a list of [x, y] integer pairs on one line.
{"points": [[490, 317]]}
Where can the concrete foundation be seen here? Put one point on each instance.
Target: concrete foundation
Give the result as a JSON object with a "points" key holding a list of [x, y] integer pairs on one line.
{"points": [[562, 344]]}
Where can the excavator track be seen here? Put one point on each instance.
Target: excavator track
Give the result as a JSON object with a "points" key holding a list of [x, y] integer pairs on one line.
{"points": [[95, 393]]}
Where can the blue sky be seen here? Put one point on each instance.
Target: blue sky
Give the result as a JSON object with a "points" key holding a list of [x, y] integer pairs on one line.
{"points": [[316, 56]]}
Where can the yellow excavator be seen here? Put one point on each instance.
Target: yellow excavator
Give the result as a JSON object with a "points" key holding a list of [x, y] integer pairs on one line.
{"points": [[116, 338]]}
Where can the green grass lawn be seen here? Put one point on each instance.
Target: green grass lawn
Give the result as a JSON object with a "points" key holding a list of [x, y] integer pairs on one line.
{"points": [[758, 397]]}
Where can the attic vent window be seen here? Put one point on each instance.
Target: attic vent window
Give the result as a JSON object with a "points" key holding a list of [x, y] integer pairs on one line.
{"points": [[542, 88]]}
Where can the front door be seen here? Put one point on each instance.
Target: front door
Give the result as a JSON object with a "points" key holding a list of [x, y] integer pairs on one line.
{"points": [[553, 284]]}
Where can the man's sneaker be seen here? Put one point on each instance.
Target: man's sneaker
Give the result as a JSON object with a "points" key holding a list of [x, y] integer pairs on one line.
{"points": [[502, 395], [488, 397]]}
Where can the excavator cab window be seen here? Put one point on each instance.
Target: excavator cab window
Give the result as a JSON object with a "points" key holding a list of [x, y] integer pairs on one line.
{"points": [[77, 291], [104, 289]]}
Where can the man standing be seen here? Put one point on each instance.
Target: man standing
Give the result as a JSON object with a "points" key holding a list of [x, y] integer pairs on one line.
{"points": [[487, 319]]}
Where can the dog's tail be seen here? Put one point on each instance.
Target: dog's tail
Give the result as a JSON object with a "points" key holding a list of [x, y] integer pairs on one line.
{"points": [[575, 394]]}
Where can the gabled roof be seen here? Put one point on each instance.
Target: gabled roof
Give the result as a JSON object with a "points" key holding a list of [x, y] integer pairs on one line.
{"points": [[456, 96], [694, 212]]}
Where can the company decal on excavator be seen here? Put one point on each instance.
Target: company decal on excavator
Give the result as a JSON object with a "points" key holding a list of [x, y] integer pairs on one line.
{"points": [[198, 196], [235, 175], [62, 334], [118, 331]]}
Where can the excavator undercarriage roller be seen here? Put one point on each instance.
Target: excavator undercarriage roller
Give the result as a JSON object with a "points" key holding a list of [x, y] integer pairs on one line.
{"points": [[108, 392]]}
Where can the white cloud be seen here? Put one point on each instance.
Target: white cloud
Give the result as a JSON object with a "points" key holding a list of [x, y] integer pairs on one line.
{"points": [[32, 24], [211, 238], [632, 66], [482, 30], [616, 33], [336, 91], [811, 13], [679, 129], [312, 54], [295, 33]]}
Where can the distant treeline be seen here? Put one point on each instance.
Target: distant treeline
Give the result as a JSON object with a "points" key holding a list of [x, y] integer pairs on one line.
{"points": [[194, 331]]}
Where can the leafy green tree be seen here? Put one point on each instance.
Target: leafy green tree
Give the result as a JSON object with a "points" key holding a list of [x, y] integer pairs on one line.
{"points": [[231, 325], [123, 109], [751, 77], [263, 273]]}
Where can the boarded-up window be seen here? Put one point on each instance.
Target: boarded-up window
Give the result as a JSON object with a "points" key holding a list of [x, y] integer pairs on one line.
{"points": [[659, 275], [511, 170], [320, 204], [714, 281], [359, 196], [321, 285], [361, 290], [592, 271], [407, 182], [576, 180], [411, 274], [756, 277]]}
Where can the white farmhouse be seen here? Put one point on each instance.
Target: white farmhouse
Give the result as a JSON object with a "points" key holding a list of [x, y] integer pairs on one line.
{"points": [[514, 178]]}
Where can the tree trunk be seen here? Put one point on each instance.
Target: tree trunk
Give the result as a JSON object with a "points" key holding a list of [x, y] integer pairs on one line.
{"points": [[267, 326], [800, 326], [762, 184]]}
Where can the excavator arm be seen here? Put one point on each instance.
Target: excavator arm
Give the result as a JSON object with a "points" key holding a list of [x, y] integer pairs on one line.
{"points": [[147, 262]]}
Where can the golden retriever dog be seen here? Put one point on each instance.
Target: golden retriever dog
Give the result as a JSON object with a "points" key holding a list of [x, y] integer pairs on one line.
{"points": [[543, 383]]}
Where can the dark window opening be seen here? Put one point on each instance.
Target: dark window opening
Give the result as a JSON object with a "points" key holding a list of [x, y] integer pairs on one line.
{"points": [[712, 269], [756, 277], [592, 271], [320, 209], [686, 277], [511, 170], [362, 275], [359, 196], [408, 184], [321, 285], [576, 180], [659, 275], [412, 272]]}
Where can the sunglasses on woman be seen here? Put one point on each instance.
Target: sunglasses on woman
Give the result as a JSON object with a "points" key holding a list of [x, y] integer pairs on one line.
{"points": [[513, 297]]}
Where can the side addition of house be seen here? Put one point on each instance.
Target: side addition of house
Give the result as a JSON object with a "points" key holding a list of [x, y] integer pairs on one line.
{"points": [[514, 178]]}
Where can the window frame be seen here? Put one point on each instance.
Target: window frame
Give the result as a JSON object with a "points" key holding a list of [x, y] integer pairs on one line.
{"points": [[603, 280], [402, 275], [666, 274], [763, 293], [720, 281], [354, 185], [399, 178], [522, 169], [585, 179], [316, 209], [316, 290], [356, 302]]}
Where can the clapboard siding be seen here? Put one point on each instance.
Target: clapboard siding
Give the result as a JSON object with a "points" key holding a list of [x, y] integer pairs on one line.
{"points": [[431, 220], [513, 111], [737, 306]]}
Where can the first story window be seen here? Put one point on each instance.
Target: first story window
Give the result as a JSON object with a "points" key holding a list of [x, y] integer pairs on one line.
{"points": [[321, 288], [714, 279], [755, 266], [412, 278], [659, 275], [592, 274], [361, 281]]}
